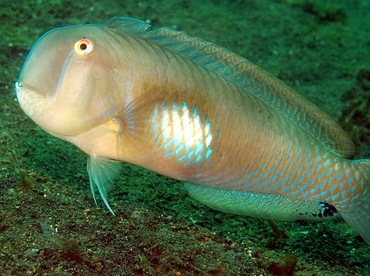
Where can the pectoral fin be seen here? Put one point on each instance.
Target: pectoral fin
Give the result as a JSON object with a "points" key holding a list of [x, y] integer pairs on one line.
{"points": [[102, 171]]}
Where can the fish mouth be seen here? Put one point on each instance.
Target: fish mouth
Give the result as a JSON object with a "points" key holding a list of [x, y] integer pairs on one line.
{"points": [[35, 105], [21, 88], [58, 117], [29, 99]]}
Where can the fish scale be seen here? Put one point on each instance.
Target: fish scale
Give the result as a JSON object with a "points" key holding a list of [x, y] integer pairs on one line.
{"points": [[243, 141]]}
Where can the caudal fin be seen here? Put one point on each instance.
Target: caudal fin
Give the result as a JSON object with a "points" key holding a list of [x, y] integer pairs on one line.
{"points": [[358, 215]]}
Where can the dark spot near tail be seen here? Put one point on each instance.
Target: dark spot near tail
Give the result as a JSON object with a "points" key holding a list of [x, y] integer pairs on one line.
{"points": [[327, 210]]}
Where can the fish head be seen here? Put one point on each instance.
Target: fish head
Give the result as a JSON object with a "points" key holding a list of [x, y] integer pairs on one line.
{"points": [[66, 84]]}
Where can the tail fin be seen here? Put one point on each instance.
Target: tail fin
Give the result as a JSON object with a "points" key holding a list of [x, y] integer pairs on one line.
{"points": [[358, 216]]}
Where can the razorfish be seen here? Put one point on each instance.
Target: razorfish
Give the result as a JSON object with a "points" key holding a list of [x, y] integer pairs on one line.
{"points": [[242, 141]]}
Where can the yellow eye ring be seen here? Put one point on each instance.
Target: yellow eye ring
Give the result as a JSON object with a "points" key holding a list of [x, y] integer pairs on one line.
{"points": [[84, 46]]}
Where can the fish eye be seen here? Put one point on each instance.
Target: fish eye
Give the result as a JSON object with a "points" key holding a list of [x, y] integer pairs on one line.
{"points": [[84, 46]]}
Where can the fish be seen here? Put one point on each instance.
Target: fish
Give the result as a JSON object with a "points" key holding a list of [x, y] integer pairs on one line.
{"points": [[241, 140]]}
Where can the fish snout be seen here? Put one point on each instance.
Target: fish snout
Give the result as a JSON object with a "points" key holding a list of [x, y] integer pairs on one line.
{"points": [[28, 99]]}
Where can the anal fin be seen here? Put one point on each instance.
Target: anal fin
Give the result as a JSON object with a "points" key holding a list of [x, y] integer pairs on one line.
{"points": [[267, 206]]}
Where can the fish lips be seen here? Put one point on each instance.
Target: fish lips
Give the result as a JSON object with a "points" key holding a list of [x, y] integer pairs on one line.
{"points": [[59, 120]]}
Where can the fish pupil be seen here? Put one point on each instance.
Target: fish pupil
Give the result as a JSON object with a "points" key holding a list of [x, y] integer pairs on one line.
{"points": [[83, 46]]}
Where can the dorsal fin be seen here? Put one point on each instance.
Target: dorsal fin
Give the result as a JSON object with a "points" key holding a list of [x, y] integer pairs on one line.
{"points": [[254, 80], [126, 25]]}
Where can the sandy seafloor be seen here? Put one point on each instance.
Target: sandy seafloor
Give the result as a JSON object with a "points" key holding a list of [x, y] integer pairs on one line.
{"points": [[49, 224]]}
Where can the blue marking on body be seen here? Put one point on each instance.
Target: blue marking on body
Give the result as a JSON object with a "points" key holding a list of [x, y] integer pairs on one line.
{"points": [[278, 174], [309, 172], [208, 153], [322, 185], [155, 128], [301, 178], [318, 167], [61, 78], [176, 140], [208, 126], [33, 106], [308, 164], [218, 132], [199, 148], [317, 159], [342, 202], [293, 184], [332, 188], [253, 174], [164, 106], [165, 146], [187, 146], [281, 161], [327, 163], [314, 190], [274, 177], [155, 113], [276, 186], [195, 111], [335, 197], [298, 159], [320, 176], [341, 184], [339, 176], [356, 197], [290, 205], [311, 181], [246, 169], [265, 174], [190, 154], [178, 149], [181, 158], [287, 187], [199, 157], [175, 109]]}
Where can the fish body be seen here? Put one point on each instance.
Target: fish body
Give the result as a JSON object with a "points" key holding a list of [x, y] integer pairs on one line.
{"points": [[242, 140]]}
